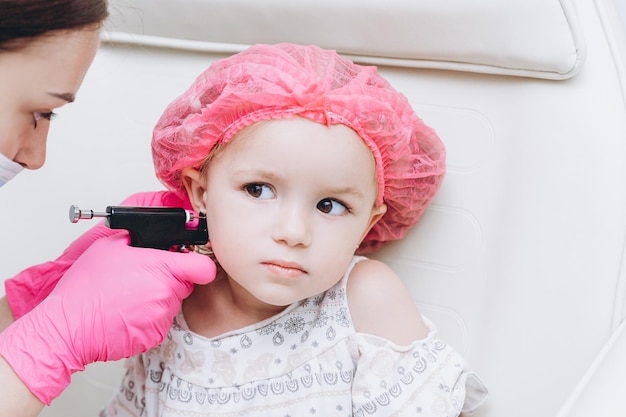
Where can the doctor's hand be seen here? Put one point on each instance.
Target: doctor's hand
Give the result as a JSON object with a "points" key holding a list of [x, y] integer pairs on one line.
{"points": [[28, 288], [115, 301]]}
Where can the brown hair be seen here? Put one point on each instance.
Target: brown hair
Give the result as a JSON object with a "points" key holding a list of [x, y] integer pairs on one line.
{"points": [[22, 21]]}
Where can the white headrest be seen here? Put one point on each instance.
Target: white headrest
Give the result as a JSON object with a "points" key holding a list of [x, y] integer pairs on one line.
{"points": [[531, 38]]}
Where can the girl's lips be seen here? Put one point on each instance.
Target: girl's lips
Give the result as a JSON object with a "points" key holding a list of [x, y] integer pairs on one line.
{"points": [[285, 269]]}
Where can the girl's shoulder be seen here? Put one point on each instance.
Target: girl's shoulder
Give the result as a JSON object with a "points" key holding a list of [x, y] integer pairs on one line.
{"points": [[381, 305]]}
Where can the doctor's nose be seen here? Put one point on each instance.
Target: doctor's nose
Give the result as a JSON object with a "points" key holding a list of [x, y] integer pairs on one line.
{"points": [[292, 227], [32, 152]]}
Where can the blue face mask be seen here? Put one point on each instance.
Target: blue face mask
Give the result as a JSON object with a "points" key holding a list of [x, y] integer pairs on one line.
{"points": [[8, 169]]}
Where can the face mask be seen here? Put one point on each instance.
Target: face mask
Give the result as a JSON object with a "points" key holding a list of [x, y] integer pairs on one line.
{"points": [[8, 169]]}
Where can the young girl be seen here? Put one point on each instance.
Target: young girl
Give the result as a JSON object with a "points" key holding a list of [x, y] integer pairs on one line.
{"points": [[299, 159]]}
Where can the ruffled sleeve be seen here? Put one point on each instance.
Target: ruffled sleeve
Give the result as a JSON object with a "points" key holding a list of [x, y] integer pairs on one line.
{"points": [[427, 378]]}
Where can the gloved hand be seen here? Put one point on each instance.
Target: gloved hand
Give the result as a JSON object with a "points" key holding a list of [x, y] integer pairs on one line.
{"points": [[28, 288], [115, 301]]}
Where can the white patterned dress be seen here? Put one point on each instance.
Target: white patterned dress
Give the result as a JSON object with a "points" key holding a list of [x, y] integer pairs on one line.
{"points": [[306, 361]]}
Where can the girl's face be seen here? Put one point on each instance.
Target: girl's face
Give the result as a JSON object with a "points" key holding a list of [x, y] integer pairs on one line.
{"points": [[288, 202], [34, 81]]}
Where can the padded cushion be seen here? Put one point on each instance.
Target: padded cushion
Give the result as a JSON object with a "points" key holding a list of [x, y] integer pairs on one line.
{"points": [[531, 38]]}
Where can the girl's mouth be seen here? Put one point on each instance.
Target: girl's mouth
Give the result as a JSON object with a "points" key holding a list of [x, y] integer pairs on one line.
{"points": [[285, 269]]}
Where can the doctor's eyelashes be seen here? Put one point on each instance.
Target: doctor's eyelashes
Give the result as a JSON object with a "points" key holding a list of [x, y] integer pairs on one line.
{"points": [[42, 115]]}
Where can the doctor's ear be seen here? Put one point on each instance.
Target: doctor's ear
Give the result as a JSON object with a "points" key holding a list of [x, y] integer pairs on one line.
{"points": [[195, 184]]}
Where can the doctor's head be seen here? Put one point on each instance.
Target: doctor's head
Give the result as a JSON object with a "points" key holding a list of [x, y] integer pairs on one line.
{"points": [[46, 47]]}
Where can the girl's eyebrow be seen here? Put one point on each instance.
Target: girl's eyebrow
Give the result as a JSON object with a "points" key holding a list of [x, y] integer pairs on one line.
{"points": [[256, 172], [345, 190], [69, 97]]}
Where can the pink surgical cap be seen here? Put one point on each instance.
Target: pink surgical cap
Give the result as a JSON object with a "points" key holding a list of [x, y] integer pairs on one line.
{"points": [[285, 80]]}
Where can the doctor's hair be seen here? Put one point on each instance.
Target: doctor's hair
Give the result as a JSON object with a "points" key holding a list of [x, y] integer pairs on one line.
{"points": [[23, 21]]}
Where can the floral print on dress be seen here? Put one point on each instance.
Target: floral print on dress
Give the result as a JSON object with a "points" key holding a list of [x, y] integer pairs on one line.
{"points": [[306, 361]]}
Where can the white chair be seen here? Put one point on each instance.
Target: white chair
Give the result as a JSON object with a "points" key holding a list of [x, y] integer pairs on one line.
{"points": [[520, 259]]}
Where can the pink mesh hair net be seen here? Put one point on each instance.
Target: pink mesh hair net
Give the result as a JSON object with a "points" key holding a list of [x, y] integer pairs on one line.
{"points": [[286, 80]]}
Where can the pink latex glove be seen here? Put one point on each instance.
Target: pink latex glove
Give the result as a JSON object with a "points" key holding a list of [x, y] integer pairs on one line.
{"points": [[28, 288], [114, 302]]}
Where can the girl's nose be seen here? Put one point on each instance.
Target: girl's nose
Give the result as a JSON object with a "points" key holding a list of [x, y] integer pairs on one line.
{"points": [[293, 227]]}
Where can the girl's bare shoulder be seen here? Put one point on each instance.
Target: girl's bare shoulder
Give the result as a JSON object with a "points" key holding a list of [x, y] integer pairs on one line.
{"points": [[381, 305]]}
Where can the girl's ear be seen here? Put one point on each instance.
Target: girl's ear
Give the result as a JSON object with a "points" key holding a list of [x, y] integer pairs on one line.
{"points": [[195, 184], [377, 213]]}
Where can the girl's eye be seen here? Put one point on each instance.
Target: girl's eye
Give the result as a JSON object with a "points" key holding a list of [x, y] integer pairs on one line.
{"points": [[39, 116], [260, 191], [332, 207]]}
